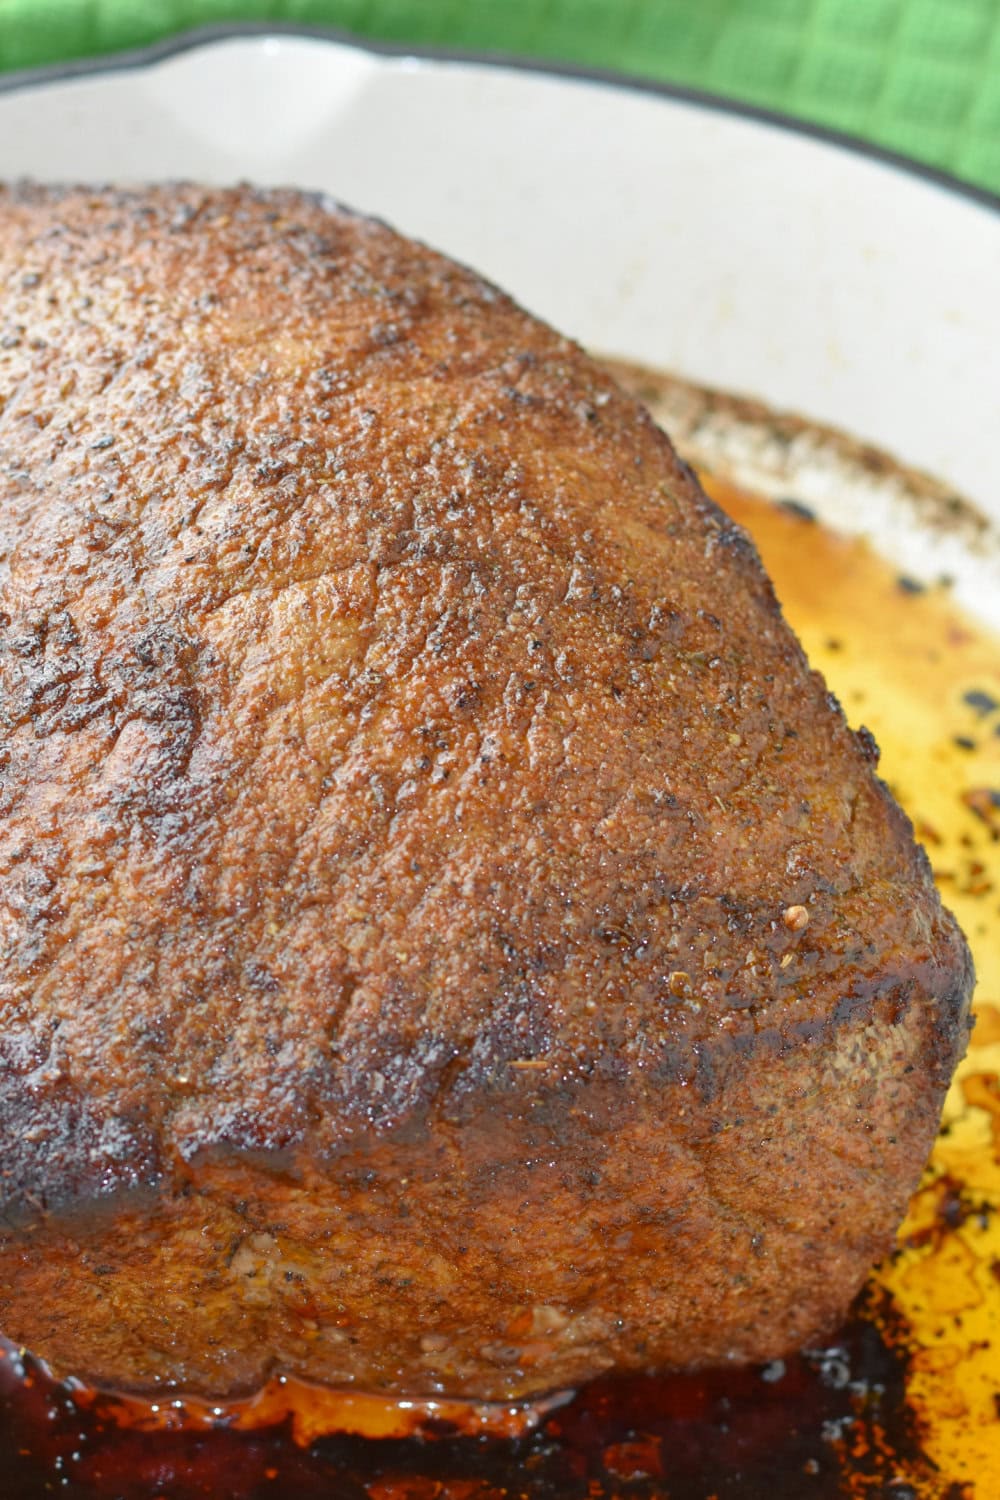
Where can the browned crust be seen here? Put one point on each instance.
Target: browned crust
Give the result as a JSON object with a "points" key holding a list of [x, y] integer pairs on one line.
{"points": [[405, 761]]}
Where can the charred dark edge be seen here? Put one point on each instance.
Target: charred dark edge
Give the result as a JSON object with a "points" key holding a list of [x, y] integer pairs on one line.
{"points": [[947, 1020], [190, 40]]}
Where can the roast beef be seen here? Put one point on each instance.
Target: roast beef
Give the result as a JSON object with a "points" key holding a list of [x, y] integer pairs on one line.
{"points": [[450, 941]]}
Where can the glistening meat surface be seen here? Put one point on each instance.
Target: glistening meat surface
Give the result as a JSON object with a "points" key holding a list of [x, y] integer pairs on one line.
{"points": [[449, 940]]}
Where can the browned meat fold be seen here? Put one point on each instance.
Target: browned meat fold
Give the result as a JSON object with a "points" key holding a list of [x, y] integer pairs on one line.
{"points": [[449, 939]]}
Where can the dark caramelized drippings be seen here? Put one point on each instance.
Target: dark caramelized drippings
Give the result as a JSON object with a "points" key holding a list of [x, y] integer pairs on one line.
{"points": [[829, 1423]]}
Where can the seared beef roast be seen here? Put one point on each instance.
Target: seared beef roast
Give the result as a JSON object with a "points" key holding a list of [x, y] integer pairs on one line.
{"points": [[451, 942]]}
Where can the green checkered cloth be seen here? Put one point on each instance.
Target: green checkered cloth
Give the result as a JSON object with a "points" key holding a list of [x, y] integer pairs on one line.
{"points": [[921, 77]]}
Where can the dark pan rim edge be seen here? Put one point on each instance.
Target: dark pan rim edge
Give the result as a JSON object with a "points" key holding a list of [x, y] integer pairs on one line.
{"points": [[190, 40]]}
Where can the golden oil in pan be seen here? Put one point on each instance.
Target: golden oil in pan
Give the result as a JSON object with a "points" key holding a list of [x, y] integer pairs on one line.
{"points": [[925, 679]]}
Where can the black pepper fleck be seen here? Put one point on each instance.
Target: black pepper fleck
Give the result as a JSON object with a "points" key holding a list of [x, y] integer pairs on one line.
{"points": [[982, 703], [797, 508]]}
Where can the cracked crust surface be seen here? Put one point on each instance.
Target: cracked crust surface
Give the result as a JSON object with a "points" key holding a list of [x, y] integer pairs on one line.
{"points": [[410, 797]]}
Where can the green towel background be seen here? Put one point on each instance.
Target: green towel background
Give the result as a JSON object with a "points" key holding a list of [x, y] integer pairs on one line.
{"points": [[919, 76]]}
